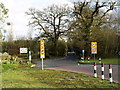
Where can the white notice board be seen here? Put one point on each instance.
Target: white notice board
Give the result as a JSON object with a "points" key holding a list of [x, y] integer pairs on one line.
{"points": [[23, 50]]}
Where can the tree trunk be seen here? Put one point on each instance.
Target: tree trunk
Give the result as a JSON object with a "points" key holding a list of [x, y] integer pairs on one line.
{"points": [[55, 46]]}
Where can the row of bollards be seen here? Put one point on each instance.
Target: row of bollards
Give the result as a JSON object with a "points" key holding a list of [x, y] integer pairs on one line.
{"points": [[102, 72]]}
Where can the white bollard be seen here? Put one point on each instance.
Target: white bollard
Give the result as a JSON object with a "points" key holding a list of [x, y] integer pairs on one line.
{"points": [[95, 70], [99, 60], [110, 73], [30, 58], [88, 59], [102, 68], [42, 64]]}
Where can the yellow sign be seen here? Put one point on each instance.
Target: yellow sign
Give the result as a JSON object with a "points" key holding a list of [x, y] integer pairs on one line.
{"points": [[42, 47], [94, 47], [42, 51]]}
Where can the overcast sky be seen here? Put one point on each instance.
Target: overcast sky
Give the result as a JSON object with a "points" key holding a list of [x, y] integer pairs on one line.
{"points": [[17, 16], [17, 9]]}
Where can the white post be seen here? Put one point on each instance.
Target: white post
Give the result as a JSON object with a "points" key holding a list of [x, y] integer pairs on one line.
{"points": [[30, 57], [99, 60], [42, 63], [110, 73], [102, 70], [95, 70], [83, 57], [42, 51], [83, 51]]}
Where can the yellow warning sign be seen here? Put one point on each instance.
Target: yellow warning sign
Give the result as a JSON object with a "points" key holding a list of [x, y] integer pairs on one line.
{"points": [[42, 51], [42, 47], [94, 47], [42, 41]]}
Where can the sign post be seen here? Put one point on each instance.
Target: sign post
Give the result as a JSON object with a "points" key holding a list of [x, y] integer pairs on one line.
{"points": [[94, 48], [42, 51], [83, 51], [30, 56]]}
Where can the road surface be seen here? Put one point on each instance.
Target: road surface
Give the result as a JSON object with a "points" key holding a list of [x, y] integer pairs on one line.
{"points": [[70, 63]]}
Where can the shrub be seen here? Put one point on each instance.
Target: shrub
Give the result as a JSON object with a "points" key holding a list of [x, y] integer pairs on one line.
{"points": [[5, 56], [50, 50]]}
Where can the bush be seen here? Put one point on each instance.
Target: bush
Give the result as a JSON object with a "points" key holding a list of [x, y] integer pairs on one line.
{"points": [[61, 48], [50, 50], [5, 56]]}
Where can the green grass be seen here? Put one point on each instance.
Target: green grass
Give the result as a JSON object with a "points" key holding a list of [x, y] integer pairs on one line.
{"points": [[7, 67], [105, 61], [35, 78], [13, 66]]}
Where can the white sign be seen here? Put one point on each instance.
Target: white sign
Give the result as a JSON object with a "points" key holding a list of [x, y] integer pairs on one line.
{"points": [[23, 50]]}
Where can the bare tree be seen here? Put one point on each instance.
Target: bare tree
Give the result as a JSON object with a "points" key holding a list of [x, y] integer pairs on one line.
{"points": [[52, 21], [10, 35], [30, 33]]}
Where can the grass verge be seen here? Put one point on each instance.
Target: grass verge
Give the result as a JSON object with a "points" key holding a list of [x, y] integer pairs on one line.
{"points": [[105, 61], [35, 78], [13, 66], [7, 67]]}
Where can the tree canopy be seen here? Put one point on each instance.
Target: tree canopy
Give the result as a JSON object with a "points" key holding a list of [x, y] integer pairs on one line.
{"points": [[93, 22], [52, 21]]}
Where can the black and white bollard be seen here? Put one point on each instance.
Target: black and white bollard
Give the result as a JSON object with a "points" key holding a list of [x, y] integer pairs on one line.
{"points": [[110, 73], [99, 60], [88, 59], [102, 72], [82, 59], [95, 70]]}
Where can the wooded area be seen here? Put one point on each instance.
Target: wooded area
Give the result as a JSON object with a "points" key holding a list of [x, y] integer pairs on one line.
{"points": [[80, 25]]}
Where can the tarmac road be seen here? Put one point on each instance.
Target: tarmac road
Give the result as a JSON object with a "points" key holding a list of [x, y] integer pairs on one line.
{"points": [[70, 64]]}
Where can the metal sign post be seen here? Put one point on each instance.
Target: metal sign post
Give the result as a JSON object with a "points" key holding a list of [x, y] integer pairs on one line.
{"points": [[83, 51], [30, 56], [42, 51], [42, 63], [94, 57], [94, 48]]}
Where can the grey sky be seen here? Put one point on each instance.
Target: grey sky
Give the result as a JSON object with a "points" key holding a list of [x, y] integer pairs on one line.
{"points": [[17, 9]]}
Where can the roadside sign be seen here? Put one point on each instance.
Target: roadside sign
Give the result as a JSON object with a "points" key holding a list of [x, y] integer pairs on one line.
{"points": [[94, 47], [42, 51], [23, 50]]}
